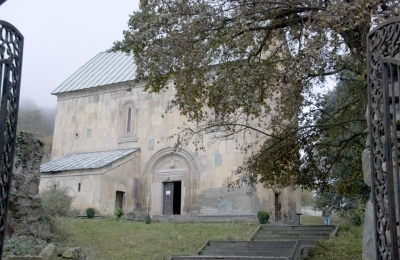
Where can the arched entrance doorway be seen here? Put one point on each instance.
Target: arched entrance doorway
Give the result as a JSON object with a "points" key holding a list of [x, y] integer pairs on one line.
{"points": [[173, 179]]}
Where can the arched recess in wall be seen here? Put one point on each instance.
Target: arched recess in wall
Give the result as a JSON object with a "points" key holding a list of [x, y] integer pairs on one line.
{"points": [[120, 185], [128, 121], [169, 166]]}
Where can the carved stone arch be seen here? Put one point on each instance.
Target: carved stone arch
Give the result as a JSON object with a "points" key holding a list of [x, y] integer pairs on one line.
{"points": [[128, 121], [120, 185], [169, 166], [185, 156]]}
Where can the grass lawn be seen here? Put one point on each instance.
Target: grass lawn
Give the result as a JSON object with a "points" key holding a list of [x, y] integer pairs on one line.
{"points": [[113, 240], [347, 245], [104, 239]]}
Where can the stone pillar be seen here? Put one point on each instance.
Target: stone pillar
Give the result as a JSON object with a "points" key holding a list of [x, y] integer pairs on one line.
{"points": [[24, 206]]}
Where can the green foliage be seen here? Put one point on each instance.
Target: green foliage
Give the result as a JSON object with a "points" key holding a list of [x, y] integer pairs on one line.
{"points": [[90, 212], [60, 229], [118, 212], [262, 73], [56, 202], [347, 245], [355, 216], [148, 219], [308, 198], [56, 205], [263, 217], [23, 245]]}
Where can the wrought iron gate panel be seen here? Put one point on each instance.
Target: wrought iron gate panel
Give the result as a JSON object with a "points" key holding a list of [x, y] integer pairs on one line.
{"points": [[383, 106], [11, 50]]}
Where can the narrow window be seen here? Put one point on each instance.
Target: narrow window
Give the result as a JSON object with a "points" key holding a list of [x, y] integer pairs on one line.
{"points": [[88, 133], [129, 121], [79, 187], [218, 159], [96, 98], [73, 119]]}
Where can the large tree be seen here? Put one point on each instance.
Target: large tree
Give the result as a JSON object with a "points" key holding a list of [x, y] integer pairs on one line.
{"points": [[258, 66]]}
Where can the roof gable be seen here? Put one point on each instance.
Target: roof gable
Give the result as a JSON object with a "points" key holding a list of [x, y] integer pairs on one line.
{"points": [[104, 69]]}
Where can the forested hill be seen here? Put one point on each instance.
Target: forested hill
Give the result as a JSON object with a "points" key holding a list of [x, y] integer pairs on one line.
{"points": [[38, 120]]}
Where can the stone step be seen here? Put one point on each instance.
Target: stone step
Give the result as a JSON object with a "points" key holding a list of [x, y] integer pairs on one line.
{"points": [[201, 257], [248, 248], [329, 228], [291, 236], [267, 242], [295, 231], [285, 253], [250, 243]]}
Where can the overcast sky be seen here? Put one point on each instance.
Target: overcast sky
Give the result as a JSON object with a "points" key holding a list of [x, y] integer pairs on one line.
{"points": [[61, 36]]}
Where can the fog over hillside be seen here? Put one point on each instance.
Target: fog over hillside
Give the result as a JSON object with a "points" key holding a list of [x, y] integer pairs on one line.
{"points": [[35, 118]]}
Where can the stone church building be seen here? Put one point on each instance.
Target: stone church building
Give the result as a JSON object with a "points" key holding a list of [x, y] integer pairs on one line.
{"points": [[109, 149]]}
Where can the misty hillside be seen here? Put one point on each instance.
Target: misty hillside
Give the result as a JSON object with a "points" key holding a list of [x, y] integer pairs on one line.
{"points": [[38, 120]]}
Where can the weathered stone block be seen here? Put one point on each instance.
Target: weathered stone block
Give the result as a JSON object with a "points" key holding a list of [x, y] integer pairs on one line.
{"points": [[368, 242], [49, 252], [72, 253], [366, 166]]}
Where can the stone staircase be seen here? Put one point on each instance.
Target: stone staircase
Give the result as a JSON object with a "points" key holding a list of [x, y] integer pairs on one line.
{"points": [[267, 242], [290, 233]]}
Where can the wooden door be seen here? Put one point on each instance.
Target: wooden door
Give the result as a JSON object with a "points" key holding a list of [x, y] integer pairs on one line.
{"points": [[119, 200], [168, 200], [277, 207]]}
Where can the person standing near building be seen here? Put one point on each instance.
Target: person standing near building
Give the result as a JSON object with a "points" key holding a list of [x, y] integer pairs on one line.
{"points": [[326, 214]]}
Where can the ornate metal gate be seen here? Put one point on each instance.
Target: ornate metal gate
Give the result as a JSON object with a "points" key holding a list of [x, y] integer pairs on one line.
{"points": [[11, 47], [384, 128]]}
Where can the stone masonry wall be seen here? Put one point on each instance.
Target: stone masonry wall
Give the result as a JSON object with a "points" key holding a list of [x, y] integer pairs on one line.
{"points": [[24, 205]]}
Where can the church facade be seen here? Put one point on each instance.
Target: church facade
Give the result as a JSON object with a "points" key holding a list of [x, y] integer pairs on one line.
{"points": [[110, 149]]}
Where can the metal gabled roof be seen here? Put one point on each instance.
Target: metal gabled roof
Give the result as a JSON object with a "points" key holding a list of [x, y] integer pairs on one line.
{"points": [[83, 161], [104, 69]]}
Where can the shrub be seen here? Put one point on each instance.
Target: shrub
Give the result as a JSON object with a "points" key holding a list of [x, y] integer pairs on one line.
{"points": [[356, 214], [23, 245], [74, 213], [148, 219], [263, 217], [90, 212], [56, 202], [118, 212]]}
